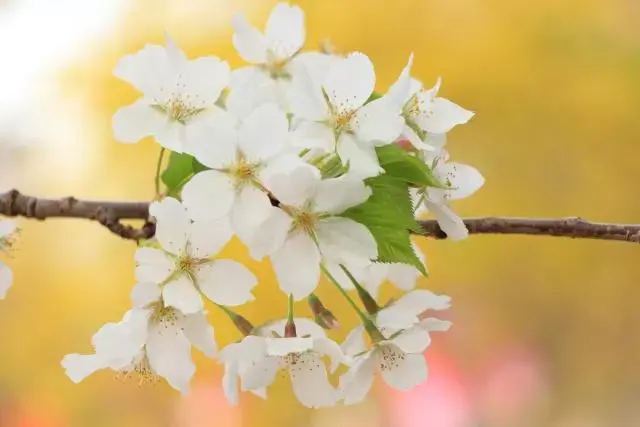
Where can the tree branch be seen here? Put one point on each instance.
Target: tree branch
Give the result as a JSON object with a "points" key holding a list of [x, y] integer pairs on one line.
{"points": [[110, 214]]}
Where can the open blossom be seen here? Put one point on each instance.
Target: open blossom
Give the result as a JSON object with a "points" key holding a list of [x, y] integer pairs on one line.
{"points": [[306, 226], [7, 233], [423, 111], [462, 181], [237, 361], [241, 161], [334, 115], [150, 342], [178, 95], [182, 267], [258, 359], [399, 356]]}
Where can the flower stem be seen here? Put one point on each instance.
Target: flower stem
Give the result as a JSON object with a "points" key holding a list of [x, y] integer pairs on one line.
{"points": [[158, 170], [239, 321], [290, 327], [367, 300]]}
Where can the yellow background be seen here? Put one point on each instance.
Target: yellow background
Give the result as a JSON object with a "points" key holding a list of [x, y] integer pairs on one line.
{"points": [[556, 90]]}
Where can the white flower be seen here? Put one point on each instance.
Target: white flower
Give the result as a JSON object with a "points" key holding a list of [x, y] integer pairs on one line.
{"points": [[462, 181], [241, 160], [306, 226], [178, 95], [183, 267], [335, 118], [7, 234], [258, 359], [398, 357], [237, 361], [424, 111], [150, 342]]}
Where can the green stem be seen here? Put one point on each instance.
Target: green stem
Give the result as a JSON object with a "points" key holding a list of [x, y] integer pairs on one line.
{"points": [[365, 297], [344, 293], [290, 327], [290, 309], [158, 170]]}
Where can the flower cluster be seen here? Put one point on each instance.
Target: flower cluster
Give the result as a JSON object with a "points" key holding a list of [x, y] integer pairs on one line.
{"points": [[299, 158], [8, 232]]}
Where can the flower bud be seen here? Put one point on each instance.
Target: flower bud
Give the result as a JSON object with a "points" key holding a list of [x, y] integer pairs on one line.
{"points": [[321, 314], [242, 324], [290, 329], [404, 143]]}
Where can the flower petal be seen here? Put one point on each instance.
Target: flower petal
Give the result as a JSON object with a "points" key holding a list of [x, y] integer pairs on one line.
{"points": [[346, 241], [403, 371], [310, 382], [169, 355], [325, 346], [448, 221], [181, 294], [78, 366], [413, 340], [445, 115], [306, 97], [213, 141], [207, 238], [172, 224], [404, 312], [336, 195], [305, 327], [295, 188], [263, 133], [199, 333], [250, 210], [356, 383], [137, 121], [148, 70], [285, 30], [144, 293], [271, 234], [297, 265], [226, 282], [354, 342], [153, 265], [249, 42], [6, 280], [7, 227], [361, 157], [208, 196], [400, 91], [377, 121], [350, 82], [464, 179], [261, 374], [203, 79], [314, 135]]}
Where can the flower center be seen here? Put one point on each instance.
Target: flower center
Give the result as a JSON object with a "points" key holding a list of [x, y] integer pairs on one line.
{"points": [[186, 263], [417, 106], [167, 317], [179, 108], [142, 370], [305, 220], [390, 358]]}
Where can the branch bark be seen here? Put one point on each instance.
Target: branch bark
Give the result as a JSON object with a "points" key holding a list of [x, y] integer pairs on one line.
{"points": [[110, 214]]}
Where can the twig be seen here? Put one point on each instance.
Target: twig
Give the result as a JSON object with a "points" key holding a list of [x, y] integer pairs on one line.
{"points": [[110, 214]]}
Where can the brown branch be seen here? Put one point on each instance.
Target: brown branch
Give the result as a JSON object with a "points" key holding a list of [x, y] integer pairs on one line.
{"points": [[110, 215]]}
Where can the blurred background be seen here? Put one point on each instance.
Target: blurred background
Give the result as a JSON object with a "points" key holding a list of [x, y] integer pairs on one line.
{"points": [[546, 330]]}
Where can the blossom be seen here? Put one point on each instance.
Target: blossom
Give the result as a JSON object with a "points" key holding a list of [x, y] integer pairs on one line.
{"points": [[306, 226], [262, 358], [461, 182], [179, 95], [7, 234], [241, 160], [182, 266], [398, 357], [423, 111], [335, 116], [237, 361], [154, 341]]}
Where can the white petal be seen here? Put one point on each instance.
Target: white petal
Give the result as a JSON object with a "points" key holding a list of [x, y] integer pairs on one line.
{"points": [[284, 346], [403, 371], [209, 195], [297, 265], [207, 238], [310, 382], [354, 342], [448, 221], [6, 280], [172, 136], [214, 141], [434, 324], [250, 87], [464, 179], [226, 282], [360, 156], [305, 327], [357, 382], [445, 115], [203, 79], [413, 340], [336, 195], [144, 293], [137, 121], [250, 210], [285, 30], [261, 374], [169, 354], [325, 346], [377, 121], [172, 224], [78, 367], [263, 133], [118, 344], [7, 227], [350, 82], [347, 239], [306, 97], [405, 311], [230, 382], [249, 42], [199, 333], [271, 234], [295, 188], [317, 66], [336, 272], [148, 70], [153, 265], [400, 91], [404, 276], [180, 293], [314, 135]]}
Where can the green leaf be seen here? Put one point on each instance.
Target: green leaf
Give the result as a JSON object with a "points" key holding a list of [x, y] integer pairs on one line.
{"points": [[389, 216], [180, 169], [400, 164]]}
